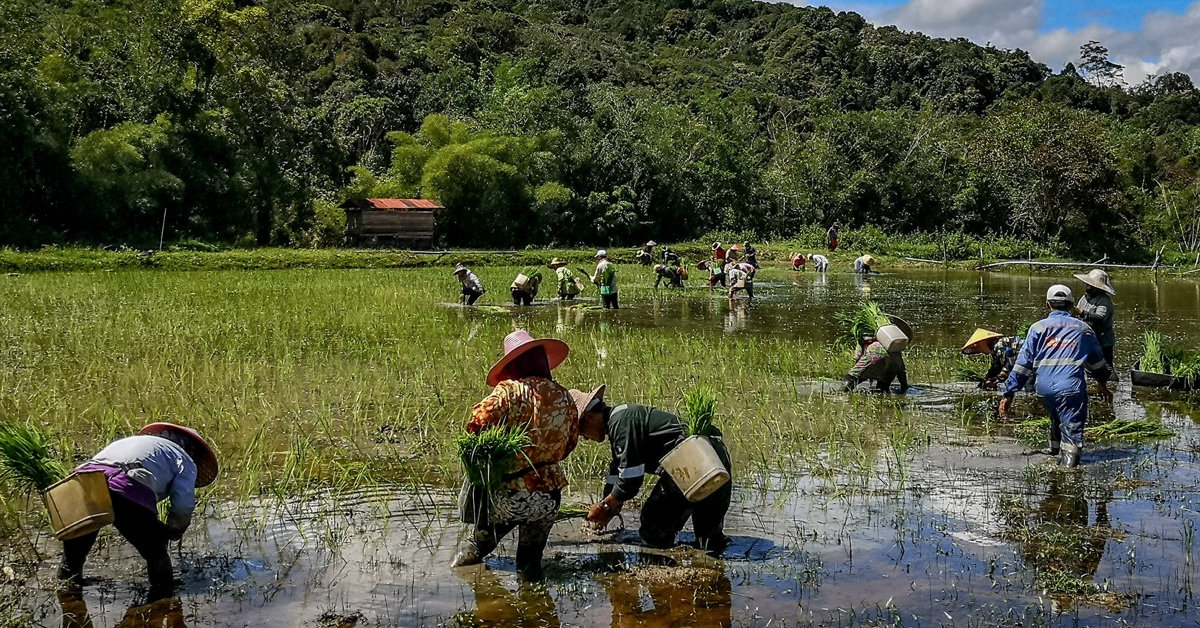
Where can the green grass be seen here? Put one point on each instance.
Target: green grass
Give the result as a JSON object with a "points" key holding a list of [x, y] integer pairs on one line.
{"points": [[27, 458], [1152, 353]]}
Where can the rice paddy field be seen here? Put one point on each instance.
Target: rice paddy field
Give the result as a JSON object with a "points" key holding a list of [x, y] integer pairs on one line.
{"points": [[334, 397]]}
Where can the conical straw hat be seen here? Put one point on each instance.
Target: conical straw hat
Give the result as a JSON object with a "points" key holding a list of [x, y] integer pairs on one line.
{"points": [[981, 335]]}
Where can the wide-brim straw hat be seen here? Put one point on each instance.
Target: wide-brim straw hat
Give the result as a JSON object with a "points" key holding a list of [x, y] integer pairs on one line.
{"points": [[658, 267], [584, 399], [975, 344], [460, 269], [716, 245], [601, 253], [702, 265], [199, 450], [868, 260], [556, 263], [1097, 278], [902, 324], [520, 341]]}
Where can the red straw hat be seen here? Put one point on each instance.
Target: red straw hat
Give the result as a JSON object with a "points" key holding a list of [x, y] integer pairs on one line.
{"points": [[202, 454], [518, 343]]}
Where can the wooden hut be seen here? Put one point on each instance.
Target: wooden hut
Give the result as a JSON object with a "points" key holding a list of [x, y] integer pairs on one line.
{"points": [[400, 222]]}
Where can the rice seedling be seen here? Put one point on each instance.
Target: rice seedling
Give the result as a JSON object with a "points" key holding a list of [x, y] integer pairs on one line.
{"points": [[27, 459], [862, 322], [1114, 430], [699, 410], [490, 453], [1152, 354]]}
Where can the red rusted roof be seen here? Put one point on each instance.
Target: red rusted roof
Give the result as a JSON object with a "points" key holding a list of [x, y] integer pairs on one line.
{"points": [[391, 203]]}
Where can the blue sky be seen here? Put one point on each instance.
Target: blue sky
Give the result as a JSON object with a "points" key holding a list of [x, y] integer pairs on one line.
{"points": [[1147, 37]]}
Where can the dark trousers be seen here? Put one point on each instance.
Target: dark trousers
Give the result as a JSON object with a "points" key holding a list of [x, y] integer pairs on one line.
{"points": [[141, 527], [716, 279], [610, 301], [1068, 414], [471, 295], [520, 297], [1108, 357], [666, 511]]}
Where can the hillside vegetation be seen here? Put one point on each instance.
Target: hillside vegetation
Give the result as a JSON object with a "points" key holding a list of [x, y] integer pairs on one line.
{"points": [[561, 122]]}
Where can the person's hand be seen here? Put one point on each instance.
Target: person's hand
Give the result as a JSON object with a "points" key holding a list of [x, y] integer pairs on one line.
{"points": [[1106, 394], [1005, 406], [599, 516], [1076, 312], [988, 384]]}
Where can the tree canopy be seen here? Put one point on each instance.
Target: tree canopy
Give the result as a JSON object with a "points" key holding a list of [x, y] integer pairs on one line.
{"points": [[569, 122]]}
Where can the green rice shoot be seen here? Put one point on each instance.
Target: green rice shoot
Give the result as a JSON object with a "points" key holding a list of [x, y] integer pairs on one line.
{"points": [[26, 457], [1152, 354], [1115, 430], [533, 272], [571, 512], [699, 410], [488, 454]]}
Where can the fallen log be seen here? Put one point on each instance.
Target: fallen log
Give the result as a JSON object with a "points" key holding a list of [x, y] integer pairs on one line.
{"points": [[1022, 262]]}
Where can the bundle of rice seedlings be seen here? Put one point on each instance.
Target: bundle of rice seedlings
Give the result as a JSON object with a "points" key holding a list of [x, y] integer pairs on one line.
{"points": [[26, 458], [699, 409], [1121, 429], [863, 322], [533, 272], [571, 512], [1152, 354], [487, 455], [966, 370], [1183, 362]]}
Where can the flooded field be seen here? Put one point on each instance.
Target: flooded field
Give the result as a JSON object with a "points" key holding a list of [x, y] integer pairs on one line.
{"points": [[332, 397]]}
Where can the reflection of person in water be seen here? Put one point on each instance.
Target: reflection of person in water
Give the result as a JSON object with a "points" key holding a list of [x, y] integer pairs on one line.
{"points": [[1064, 513], [163, 613], [497, 606], [670, 596]]}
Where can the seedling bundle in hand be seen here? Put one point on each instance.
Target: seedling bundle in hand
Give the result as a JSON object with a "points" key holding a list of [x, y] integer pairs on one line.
{"points": [[26, 458], [488, 454]]}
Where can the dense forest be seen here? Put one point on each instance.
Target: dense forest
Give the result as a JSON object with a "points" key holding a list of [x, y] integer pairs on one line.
{"points": [[569, 121]]}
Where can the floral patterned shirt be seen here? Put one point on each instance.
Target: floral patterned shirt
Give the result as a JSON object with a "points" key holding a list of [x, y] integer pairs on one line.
{"points": [[549, 416]]}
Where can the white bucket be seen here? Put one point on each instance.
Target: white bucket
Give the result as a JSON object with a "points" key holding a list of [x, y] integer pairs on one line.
{"points": [[892, 338], [695, 468]]}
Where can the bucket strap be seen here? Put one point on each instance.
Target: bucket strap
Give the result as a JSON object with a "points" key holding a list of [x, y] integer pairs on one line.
{"points": [[125, 467]]}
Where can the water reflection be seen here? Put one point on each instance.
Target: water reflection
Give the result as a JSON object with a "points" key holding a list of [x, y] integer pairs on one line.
{"points": [[166, 613], [658, 594], [530, 606]]}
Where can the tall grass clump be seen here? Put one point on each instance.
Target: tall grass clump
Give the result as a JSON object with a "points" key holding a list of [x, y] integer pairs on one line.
{"points": [[488, 454], [699, 410], [1152, 354], [28, 463]]}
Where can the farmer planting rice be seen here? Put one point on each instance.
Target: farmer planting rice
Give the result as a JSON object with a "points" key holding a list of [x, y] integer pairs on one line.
{"points": [[163, 461], [741, 277], [1002, 349], [872, 361], [640, 436], [862, 265], [672, 274], [1059, 350], [820, 262], [1096, 309], [472, 288], [606, 278], [526, 397], [525, 287], [568, 284]]}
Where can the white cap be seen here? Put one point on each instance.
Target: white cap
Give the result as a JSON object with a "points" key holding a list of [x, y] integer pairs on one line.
{"points": [[601, 253], [1059, 292]]}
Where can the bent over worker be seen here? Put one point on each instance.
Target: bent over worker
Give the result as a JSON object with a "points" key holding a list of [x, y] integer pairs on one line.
{"points": [[1059, 350], [640, 436], [163, 461], [875, 363]]}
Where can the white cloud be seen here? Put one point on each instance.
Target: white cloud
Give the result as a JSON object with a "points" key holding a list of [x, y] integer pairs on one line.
{"points": [[1165, 42]]}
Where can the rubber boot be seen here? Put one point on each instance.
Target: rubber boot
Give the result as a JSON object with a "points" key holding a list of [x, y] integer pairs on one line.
{"points": [[1070, 456], [162, 579], [482, 543], [529, 556]]}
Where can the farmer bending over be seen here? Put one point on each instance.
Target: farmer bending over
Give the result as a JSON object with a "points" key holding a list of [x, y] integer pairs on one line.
{"points": [[640, 436], [527, 396], [874, 362], [163, 461]]}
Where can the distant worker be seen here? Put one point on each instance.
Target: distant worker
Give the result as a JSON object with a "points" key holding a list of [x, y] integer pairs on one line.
{"points": [[734, 252], [645, 257], [1059, 350], [163, 462], [718, 253], [524, 289], [670, 258], [1096, 309], [875, 363], [525, 396], [799, 262], [741, 277], [639, 437], [673, 275], [472, 288], [568, 284], [862, 265], [831, 236], [605, 277], [751, 254], [1002, 349], [820, 262]]}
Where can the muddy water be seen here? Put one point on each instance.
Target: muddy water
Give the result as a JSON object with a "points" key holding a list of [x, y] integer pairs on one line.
{"points": [[966, 531]]}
